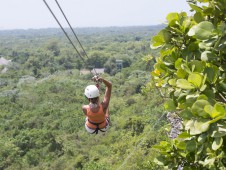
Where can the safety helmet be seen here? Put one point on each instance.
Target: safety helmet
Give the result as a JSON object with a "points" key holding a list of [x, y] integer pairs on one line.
{"points": [[92, 91]]}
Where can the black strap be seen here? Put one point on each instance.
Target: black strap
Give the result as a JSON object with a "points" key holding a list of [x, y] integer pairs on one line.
{"points": [[97, 127]]}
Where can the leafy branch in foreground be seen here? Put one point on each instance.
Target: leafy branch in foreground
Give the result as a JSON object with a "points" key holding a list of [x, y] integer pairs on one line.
{"points": [[191, 67]]}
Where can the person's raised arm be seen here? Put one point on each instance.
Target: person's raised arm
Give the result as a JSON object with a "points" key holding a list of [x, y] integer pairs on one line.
{"points": [[107, 95]]}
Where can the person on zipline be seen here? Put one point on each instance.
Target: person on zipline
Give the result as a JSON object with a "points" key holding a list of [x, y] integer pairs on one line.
{"points": [[97, 113]]}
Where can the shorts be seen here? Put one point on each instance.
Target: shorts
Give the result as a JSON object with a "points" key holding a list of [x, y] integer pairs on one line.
{"points": [[99, 131]]}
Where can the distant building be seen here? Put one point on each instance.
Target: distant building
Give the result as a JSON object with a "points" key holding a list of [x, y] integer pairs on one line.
{"points": [[84, 71], [4, 62], [98, 70], [119, 64], [93, 71]]}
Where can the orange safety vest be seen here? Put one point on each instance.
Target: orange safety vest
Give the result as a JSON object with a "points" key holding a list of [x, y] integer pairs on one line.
{"points": [[96, 120]]}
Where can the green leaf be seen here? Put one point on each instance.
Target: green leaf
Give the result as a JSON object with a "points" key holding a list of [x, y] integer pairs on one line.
{"points": [[186, 68], [198, 17], [198, 108], [191, 145], [181, 145], [208, 56], [193, 46], [166, 52], [209, 93], [197, 126], [181, 96], [208, 162], [185, 167], [184, 135], [203, 87], [217, 111], [157, 41], [208, 109], [216, 119], [195, 79], [186, 24], [187, 103], [164, 146], [200, 150], [203, 1], [195, 7], [168, 60], [172, 82], [212, 74], [217, 143], [202, 96], [203, 46], [201, 125], [160, 160], [181, 73], [186, 114], [211, 42], [160, 67], [204, 30], [199, 66], [160, 39], [221, 44], [169, 105], [218, 130], [191, 32], [178, 63], [202, 138], [222, 86], [184, 84], [193, 95], [172, 16]]}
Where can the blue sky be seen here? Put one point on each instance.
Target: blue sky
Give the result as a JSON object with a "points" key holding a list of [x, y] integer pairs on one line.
{"points": [[25, 14]]}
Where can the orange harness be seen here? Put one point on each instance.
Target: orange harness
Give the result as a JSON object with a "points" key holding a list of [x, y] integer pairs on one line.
{"points": [[96, 120]]}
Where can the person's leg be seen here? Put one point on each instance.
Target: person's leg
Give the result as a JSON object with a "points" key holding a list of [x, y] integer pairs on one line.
{"points": [[87, 128]]}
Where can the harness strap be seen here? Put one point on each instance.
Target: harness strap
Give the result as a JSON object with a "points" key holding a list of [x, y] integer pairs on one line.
{"points": [[97, 127]]}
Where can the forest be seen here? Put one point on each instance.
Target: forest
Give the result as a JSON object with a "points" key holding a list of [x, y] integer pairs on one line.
{"points": [[168, 104], [42, 93]]}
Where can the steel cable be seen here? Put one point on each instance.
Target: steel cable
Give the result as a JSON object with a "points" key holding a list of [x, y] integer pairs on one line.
{"points": [[67, 34]]}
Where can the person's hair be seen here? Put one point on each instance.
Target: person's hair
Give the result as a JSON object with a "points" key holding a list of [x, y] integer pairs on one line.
{"points": [[94, 100]]}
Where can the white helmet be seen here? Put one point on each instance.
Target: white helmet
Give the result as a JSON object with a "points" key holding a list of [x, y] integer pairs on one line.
{"points": [[92, 91]]}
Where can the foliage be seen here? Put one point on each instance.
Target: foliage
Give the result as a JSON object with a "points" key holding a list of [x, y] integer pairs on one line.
{"points": [[41, 94], [191, 68]]}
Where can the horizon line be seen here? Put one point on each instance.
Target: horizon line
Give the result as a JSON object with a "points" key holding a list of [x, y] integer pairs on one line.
{"points": [[42, 28]]}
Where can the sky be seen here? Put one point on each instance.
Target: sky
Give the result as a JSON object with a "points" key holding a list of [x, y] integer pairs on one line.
{"points": [[33, 14]]}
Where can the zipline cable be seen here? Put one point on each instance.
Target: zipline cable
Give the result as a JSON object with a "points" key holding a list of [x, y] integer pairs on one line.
{"points": [[67, 35], [63, 30], [71, 28]]}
